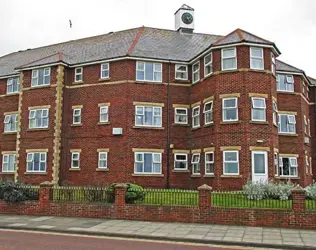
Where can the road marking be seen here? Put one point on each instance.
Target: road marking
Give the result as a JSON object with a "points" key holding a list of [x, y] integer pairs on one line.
{"points": [[42, 218], [17, 225], [46, 227]]}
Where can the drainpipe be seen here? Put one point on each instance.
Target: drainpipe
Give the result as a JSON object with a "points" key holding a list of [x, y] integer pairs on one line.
{"points": [[168, 127]]}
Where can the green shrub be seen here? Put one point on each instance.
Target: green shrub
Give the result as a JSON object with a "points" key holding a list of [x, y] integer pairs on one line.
{"points": [[311, 191], [133, 193], [254, 191]]}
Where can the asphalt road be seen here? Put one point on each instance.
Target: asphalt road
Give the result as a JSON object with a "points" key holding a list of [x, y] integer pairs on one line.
{"points": [[16, 240]]}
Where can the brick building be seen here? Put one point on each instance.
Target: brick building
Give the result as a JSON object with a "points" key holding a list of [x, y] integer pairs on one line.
{"points": [[159, 108]]}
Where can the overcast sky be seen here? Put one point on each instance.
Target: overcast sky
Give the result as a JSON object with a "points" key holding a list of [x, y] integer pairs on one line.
{"points": [[291, 24]]}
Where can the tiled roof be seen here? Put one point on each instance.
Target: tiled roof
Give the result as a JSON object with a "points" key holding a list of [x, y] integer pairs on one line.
{"points": [[312, 80], [282, 66]]}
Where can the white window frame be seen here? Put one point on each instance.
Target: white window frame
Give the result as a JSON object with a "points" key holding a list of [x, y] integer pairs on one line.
{"points": [[290, 162], [286, 83], [74, 158], [144, 70], [181, 71], [225, 108], [80, 74], [231, 57], [310, 165], [11, 82], [273, 64], [197, 72], [76, 115], [209, 64], [6, 163], [102, 69], [306, 164], [254, 107], [9, 119], [275, 112], [30, 159], [252, 57], [104, 110], [183, 161], [276, 164], [143, 162], [35, 76], [225, 161], [197, 163], [309, 127], [104, 160], [32, 115], [209, 162], [290, 120], [175, 115], [305, 125], [143, 114], [196, 117], [208, 112]]}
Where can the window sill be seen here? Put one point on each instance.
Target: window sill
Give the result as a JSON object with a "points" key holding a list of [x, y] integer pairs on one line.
{"points": [[40, 87], [148, 175], [140, 127], [209, 125], [9, 133], [12, 94], [275, 125], [74, 169], [181, 171], [146, 82], [231, 176], [7, 173], [209, 176], [286, 178], [207, 76], [229, 122], [104, 79], [287, 134], [181, 125], [37, 129], [79, 82], [181, 81], [76, 125], [103, 123], [259, 122], [35, 173], [102, 169], [286, 92], [195, 175], [259, 70], [195, 128]]}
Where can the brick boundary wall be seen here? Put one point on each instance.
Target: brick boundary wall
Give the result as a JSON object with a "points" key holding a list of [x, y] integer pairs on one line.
{"points": [[297, 217]]}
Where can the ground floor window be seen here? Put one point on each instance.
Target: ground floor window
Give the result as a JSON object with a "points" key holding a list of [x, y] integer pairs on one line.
{"points": [[8, 162], [180, 161], [276, 164], [36, 162], [75, 160], [231, 162], [195, 161], [288, 166], [147, 163], [103, 160], [209, 163]]}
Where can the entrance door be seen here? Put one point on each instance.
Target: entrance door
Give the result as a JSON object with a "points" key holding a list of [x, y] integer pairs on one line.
{"points": [[259, 166]]}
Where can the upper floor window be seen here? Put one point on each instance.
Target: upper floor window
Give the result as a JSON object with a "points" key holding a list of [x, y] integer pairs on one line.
{"points": [[148, 116], [305, 125], [8, 162], [209, 163], [229, 59], [288, 166], [78, 74], [231, 162], [180, 161], [287, 123], [256, 58], [13, 85], [11, 123], [285, 83], [309, 127], [273, 65], [230, 109], [181, 72], [75, 160], [181, 116], [275, 112], [103, 160], [195, 161], [148, 71], [76, 116], [147, 163], [196, 117], [105, 70], [104, 113], [208, 113], [40, 77], [38, 118], [258, 110], [196, 72], [208, 68], [276, 164], [36, 162]]}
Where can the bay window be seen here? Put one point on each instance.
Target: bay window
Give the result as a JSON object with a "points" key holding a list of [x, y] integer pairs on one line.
{"points": [[229, 59]]}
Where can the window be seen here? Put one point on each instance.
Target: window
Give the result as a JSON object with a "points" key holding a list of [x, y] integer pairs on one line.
{"points": [[196, 72], [40, 77], [231, 163], [230, 110], [196, 117], [305, 125], [258, 111], [76, 119], [147, 163], [208, 113], [78, 74], [181, 116], [75, 159], [309, 127], [288, 166], [181, 72], [310, 165], [13, 85], [195, 161], [8, 162], [180, 161], [275, 112], [208, 67], [148, 71], [306, 164], [209, 163], [148, 116], [256, 58], [287, 123], [103, 160], [11, 123], [229, 59], [38, 118], [273, 65], [276, 164], [285, 83], [105, 70], [36, 162], [104, 114]]}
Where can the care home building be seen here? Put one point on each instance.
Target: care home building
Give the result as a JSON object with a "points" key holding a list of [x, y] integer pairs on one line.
{"points": [[160, 108]]}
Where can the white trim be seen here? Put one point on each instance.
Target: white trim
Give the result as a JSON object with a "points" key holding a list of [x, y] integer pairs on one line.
{"points": [[198, 71], [209, 162], [42, 66], [143, 114], [276, 164], [73, 159], [78, 74], [101, 65], [207, 112], [256, 57], [31, 159], [106, 107], [223, 109], [78, 115], [143, 162], [186, 72], [209, 64], [265, 175], [106, 160], [32, 115], [288, 122], [175, 115], [230, 151], [264, 108], [197, 116], [185, 161], [231, 57], [154, 71], [290, 165], [8, 162], [197, 162]]}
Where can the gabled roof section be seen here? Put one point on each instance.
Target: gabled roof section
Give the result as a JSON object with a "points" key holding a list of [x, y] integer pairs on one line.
{"points": [[312, 80], [282, 66]]}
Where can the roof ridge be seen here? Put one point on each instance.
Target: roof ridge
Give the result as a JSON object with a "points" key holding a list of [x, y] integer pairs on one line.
{"points": [[135, 41], [223, 38], [255, 35], [240, 34]]}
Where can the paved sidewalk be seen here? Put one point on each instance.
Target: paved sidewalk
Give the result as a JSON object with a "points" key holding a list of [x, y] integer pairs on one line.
{"points": [[202, 233]]}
